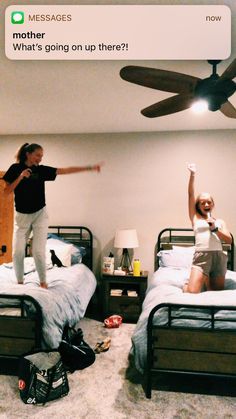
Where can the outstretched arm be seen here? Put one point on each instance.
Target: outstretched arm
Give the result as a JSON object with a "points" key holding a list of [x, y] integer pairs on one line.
{"points": [[191, 192], [77, 169]]}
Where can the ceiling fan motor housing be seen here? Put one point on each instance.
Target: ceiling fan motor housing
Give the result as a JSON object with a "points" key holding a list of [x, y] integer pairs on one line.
{"points": [[214, 91]]}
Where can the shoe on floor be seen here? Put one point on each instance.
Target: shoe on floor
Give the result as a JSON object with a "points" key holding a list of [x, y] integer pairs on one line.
{"points": [[102, 346]]}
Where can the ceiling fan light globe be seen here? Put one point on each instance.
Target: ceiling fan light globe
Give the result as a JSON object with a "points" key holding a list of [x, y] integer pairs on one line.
{"points": [[200, 106]]}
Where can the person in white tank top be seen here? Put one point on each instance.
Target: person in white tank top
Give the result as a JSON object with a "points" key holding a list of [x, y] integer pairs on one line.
{"points": [[209, 261]]}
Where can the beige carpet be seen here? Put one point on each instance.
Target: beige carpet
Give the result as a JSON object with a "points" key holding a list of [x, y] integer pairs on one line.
{"points": [[102, 391]]}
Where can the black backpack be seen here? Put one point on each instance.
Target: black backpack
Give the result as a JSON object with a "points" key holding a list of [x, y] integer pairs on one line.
{"points": [[76, 354]]}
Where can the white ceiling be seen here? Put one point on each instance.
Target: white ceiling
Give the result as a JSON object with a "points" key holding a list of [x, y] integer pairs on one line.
{"points": [[89, 96]]}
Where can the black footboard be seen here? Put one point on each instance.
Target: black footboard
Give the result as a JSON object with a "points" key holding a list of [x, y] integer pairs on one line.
{"points": [[20, 330], [202, 351]]}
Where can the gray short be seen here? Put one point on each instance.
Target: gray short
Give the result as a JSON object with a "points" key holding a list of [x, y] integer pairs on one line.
{"points": [[213, 263]]}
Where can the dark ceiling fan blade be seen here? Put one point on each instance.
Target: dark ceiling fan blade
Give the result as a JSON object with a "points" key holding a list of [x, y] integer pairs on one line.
{"points": [[228, 110], [168, 81], [230, 72], [168, 106]]}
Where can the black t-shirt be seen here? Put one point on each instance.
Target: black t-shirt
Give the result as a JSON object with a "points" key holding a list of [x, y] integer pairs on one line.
{"points": [[30, 193]]}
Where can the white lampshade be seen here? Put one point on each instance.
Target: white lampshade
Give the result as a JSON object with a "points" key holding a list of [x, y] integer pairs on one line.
{"points": [[126, 239]]}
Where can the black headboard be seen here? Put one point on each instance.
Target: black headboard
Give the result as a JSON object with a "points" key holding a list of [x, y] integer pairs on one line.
{"points": [[79, 236], [185, 237]]}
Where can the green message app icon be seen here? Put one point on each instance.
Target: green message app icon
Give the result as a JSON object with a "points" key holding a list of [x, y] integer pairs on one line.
{"points": [[17, 18]]}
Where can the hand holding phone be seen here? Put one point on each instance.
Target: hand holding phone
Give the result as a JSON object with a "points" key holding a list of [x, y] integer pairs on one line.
{"points": [[26, 173]]}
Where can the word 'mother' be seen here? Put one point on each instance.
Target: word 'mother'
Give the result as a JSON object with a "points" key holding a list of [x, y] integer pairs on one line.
{"points": [[28, 35]]}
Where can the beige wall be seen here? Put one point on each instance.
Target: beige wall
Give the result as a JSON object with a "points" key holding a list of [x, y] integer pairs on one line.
{"points": [[142, 185]]}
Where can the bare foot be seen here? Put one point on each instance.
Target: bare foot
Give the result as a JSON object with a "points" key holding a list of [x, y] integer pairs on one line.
{"points": [[44, 285], [185, 287]]}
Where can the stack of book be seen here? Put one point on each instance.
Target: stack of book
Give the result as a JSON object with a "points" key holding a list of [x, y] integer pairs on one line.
{"points": [[116, 292], [132, 293]]}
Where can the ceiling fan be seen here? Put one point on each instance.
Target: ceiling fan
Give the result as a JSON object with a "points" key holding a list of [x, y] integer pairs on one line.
{"points": [[214, 89]]}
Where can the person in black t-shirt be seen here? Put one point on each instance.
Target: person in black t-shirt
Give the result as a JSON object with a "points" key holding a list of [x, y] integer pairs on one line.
{"points": [[26, 178]]}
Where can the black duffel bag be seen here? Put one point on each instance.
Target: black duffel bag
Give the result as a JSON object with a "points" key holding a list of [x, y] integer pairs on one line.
{"points": [[76, 354]]}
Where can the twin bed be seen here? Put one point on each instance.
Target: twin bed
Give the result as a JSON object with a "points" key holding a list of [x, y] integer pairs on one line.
{"points": [[32, 317], [180, 332]]}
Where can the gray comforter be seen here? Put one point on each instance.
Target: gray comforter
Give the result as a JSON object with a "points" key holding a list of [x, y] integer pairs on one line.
{"points": [[64, 302]]}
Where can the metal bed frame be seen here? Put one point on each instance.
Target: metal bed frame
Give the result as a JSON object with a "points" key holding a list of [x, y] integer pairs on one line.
{"points": [[185, 237], [190, 350], [22, 333]]}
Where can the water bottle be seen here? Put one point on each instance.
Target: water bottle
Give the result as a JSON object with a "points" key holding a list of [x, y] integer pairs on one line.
{"points": [[136, 267]]}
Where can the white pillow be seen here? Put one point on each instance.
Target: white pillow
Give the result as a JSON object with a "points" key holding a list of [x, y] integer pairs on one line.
{"points": [[55, 242], [173, 259], [62, 250], [184, 249]]}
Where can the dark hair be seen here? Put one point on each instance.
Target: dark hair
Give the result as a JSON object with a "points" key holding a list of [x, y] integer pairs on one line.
{"points": [[26, 148], [197, 203]]}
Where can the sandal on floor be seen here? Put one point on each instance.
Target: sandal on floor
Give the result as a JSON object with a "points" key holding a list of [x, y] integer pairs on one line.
{"points": [[113, 321], [102, 346]]}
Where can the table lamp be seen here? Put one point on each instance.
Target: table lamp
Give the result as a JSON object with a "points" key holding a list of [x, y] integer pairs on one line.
{"points": [[126, 239]]}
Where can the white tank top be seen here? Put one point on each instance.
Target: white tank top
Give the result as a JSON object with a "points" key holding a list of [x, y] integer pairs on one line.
{"points": [[204, 238]]}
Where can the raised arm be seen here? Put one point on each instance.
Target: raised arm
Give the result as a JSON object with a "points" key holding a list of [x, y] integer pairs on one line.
{"points": [[191, 192], [77, 169]]}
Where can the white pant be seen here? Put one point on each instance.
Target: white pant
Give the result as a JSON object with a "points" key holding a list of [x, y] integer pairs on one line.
{"points": [[24, 224]]}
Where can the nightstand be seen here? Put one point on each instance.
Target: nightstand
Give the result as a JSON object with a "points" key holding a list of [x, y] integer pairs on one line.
{"points": [[124, 295]]}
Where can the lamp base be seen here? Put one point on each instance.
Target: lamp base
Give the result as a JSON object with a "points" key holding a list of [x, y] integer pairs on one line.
{"points": [[125, 262]]}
